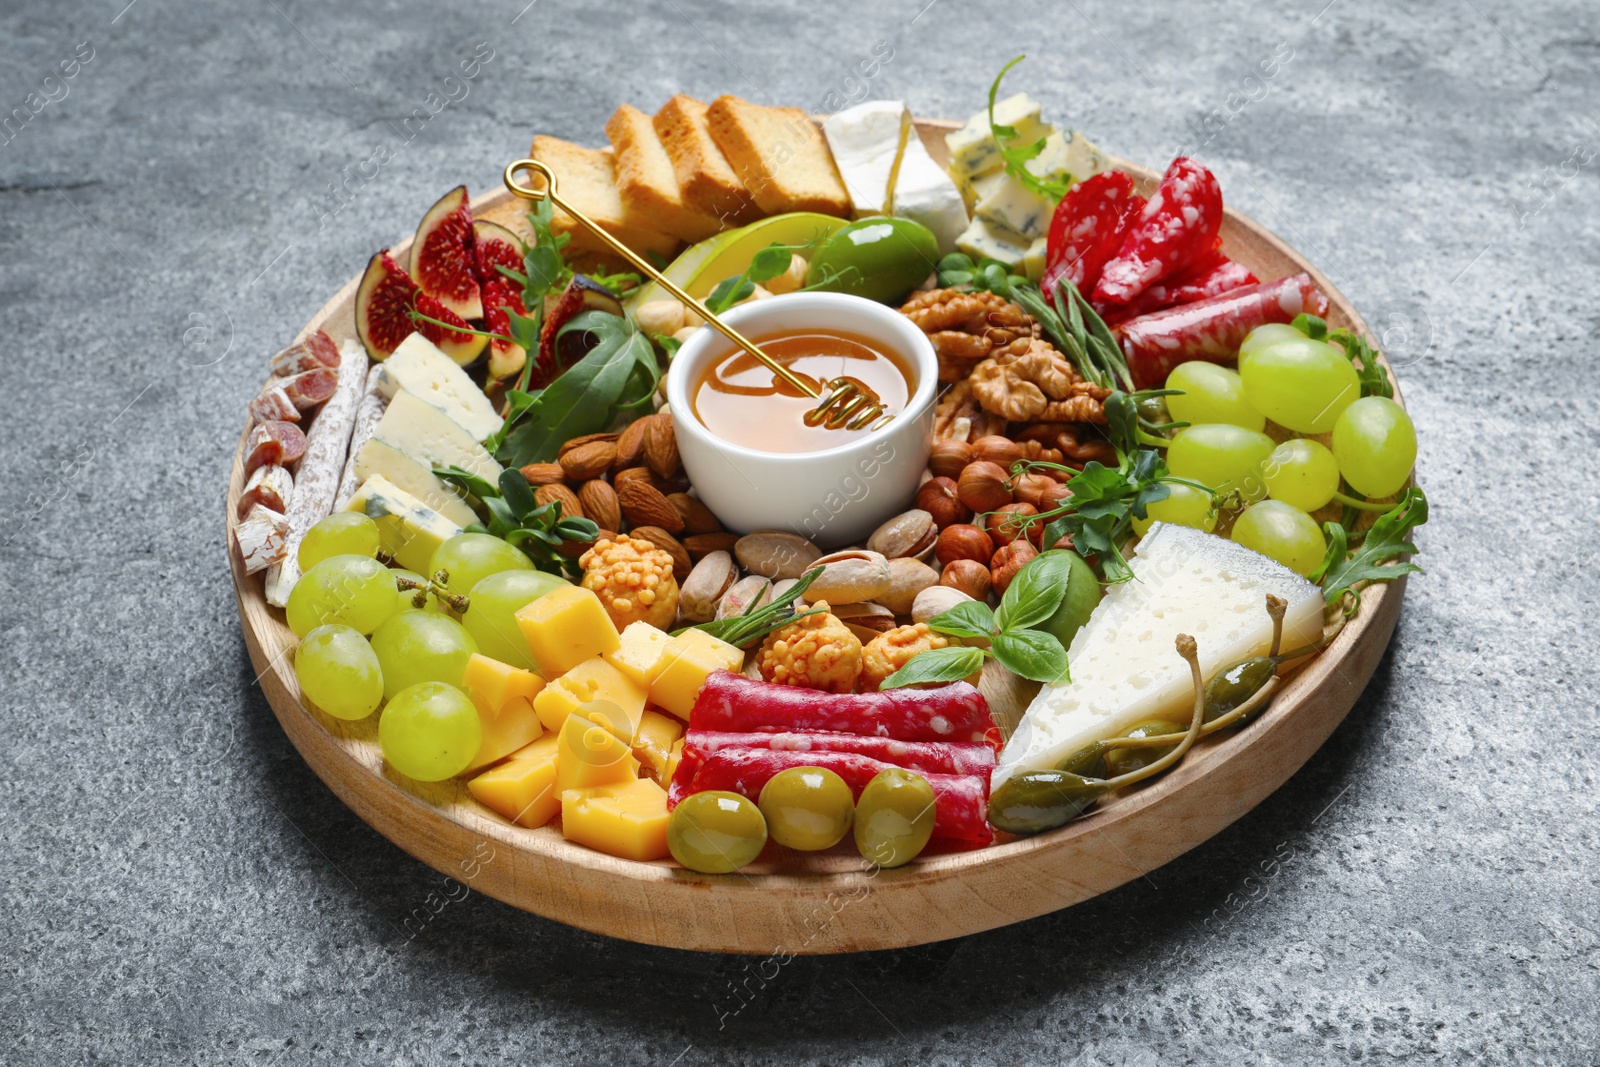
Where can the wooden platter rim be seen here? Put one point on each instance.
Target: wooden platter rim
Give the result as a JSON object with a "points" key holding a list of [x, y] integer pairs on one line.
{"points": [[777, 911]]}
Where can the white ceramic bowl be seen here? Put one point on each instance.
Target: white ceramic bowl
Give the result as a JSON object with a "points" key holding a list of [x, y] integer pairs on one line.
{"points": [[834, 497]]}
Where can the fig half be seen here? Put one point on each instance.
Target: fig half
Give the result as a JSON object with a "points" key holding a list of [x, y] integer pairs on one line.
{"points": [[384, 302], [441, 255], [495, 246]]}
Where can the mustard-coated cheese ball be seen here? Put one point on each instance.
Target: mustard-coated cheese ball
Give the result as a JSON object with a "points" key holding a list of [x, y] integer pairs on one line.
{"points": [[816, 652], [893, 649], [633, 580]]}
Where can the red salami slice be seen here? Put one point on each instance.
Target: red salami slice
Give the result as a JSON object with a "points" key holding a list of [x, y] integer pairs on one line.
{"points": [[1178, 226], [274, 404], [732, 702], [310, 388], [1087, 229], [315, 351], [924, 757], [1213, 329], [273, 442], [961, 801], [270, 486], [1212, 276]]}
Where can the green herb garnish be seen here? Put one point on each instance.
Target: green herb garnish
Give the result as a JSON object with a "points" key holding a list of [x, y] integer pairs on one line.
{"points": [[755, 623], [516, 517], [1376, 557], [1017, 157]]}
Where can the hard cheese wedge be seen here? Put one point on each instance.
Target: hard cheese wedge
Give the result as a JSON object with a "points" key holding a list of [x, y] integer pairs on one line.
{"points": [[408, 529], [418, 367], [875, 144], [1124, 665]]}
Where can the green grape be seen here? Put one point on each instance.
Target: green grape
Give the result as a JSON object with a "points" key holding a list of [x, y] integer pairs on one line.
{"points": [[408, 597], [420, 646], [1283, 533], [1186, 506], [354, 590], [339, 672], [344, 533], [493, 605], [1375, 445], [430, 731], [1210, 394], [1302, 474], [1302, 384], [1221, 456], [1273, 333], [472, 557]]}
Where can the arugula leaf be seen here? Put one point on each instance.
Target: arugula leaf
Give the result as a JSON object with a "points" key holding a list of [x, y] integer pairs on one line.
{"points": [[481, 488], [967, 619], [619, 284], [1035, 593], [936, 666], [1035, 655], [1374, 380], [543, 266], [1338, 548], [1385, 541], [1017, 156]]}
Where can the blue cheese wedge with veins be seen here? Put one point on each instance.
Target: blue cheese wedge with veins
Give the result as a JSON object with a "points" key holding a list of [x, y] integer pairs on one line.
{"points": [[887, 169], [1123, 663], [973, 150]]}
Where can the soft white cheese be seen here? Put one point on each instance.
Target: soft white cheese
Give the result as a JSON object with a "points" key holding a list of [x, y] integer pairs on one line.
{"points": [[1124, 666], [408, 529], [429, 436], [865, 140], [418, 367]]}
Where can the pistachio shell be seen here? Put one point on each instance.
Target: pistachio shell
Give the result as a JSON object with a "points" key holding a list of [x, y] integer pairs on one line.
{"points": [[776, 554], [907, 578], [704, 588], [852, 576], [936, 600], [749, 591], [911, 533]]}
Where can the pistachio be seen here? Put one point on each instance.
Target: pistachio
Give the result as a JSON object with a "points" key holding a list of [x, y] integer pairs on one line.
{"points": [[936, 600], [751, 591], [911, 533], [866, 621], [704, 588], [776, 553], [907, 578], [853, 576]]}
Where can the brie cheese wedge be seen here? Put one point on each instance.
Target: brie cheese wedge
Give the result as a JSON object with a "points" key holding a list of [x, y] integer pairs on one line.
{"points": [[887, 169]]}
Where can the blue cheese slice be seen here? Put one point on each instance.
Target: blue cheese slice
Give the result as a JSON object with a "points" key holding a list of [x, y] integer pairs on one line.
{"points": [[1124, 666], [408, 530], [973, 150], [418, 367], [1033, 261], [1015, 207], [867, 141], [416, 428], [378, 458], [983, 240]]}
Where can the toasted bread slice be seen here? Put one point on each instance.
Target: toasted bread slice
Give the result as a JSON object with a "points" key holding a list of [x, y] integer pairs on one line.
{"points": [[781, 156], [648, 182], [705, 178], [585, 177]]}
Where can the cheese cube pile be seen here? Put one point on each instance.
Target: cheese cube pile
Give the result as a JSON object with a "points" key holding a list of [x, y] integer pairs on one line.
{"points": [[1010, 220], [606, 708]]}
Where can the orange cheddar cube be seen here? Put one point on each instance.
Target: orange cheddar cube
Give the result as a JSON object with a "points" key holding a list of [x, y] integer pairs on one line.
{"points": [[590, 681], [673, 759], [627, 820], [653, 742], [523, 789], [565, 627], [642, 646], [588, 754], [684, 667], [496, 683], [503, 695]]}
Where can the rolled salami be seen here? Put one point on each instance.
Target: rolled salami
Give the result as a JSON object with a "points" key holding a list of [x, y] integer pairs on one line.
{"points": [[317, 477], [1213, 329]]}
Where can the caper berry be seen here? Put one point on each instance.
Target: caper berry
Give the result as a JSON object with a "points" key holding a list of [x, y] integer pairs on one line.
{"points": [[808, 808], [1123, 760], [894, 817], [716, 832], [1088, 762], [1234, 685], [1031, 802]]}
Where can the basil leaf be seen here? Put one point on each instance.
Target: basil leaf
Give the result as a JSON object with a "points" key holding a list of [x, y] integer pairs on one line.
{"points": [[968, 619], [937, 665], [481, 488], [516, 491], [1035, 592], [1031, 653]]}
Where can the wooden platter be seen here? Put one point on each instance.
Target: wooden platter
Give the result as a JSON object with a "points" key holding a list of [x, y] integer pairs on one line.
{"points": [[826, 903]]}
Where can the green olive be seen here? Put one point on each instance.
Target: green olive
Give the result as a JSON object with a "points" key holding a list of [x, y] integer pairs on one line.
{"points": [[1123, 760], [1031, 802], [1234, 685], [894, 817], [1087, 762], [807, 808], [879, 258], [716, 832]]}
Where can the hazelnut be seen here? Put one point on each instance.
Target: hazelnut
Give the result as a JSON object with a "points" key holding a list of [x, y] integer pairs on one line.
{"points": [[1008, 561], [984, 486], [1030, 488], [963, 541], [969, 576], [939, 498], [1052, 497], [948, 457], [1001, 451], [1007, 524]]}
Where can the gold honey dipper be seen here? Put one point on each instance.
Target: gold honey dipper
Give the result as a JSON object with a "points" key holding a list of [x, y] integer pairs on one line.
{"points": [[844, 404]]}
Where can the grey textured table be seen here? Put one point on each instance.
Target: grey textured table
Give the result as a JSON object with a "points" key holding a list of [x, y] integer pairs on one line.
{"points": [[178, 887]]}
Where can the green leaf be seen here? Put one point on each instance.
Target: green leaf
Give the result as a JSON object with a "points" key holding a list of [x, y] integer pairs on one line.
{"points": [[516, 491], [1017, 156], [479, 487], [1338, 548], [1033, 654], [967, 619], [1035, 592], [1313, 326], [936, 666], [502, 520], [769, 263], [1374, 380], [1385, 541], [730, 291]]}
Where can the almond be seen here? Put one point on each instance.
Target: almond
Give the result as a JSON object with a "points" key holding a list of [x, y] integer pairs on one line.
{"points": [[570, 507], [599, 502], [697, 518], [668, 544], [543, 473], [644, 505], [588, 438], [644, 475], [661, 446], [702, 545], [588, 460], [630, 445]]}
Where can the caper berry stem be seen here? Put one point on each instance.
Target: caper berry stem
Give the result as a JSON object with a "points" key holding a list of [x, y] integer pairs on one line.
{"points": [[1276, 607], [1189, 651]]}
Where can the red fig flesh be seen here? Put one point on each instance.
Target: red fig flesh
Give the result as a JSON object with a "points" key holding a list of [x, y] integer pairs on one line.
{"points": [[495, 246], [384, 302], [442, 259]]}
